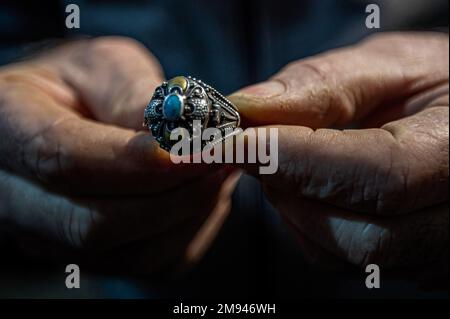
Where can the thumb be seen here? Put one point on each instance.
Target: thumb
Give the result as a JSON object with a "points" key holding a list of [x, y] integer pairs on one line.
{"points": [[347, 84]]}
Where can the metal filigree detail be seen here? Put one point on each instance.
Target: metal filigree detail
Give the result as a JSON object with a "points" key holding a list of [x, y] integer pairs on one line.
{"points": [[180, 101]]}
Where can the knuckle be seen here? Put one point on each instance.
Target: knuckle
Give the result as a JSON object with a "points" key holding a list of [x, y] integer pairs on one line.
{"points": [[113, 45], [320, 69], [121, 50], [48, 166], [47, 156], [77, 227]]}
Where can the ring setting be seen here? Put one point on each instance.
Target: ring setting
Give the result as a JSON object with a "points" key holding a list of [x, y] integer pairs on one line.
{"points": [[183, 101]]}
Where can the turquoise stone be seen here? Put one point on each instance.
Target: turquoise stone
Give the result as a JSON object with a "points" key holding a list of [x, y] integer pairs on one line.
{"points": [[173, 107]]}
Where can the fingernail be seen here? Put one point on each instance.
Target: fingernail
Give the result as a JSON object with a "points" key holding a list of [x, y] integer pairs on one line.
{"points": [[263, 90]]}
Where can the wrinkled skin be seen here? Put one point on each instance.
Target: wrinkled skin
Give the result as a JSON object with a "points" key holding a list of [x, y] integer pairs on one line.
{"points": [[76, 171], [74, 168], [377, 193]]}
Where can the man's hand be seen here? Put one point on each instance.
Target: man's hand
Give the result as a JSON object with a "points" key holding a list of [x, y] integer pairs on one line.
{"points": [[75, 170], [378, 193]]}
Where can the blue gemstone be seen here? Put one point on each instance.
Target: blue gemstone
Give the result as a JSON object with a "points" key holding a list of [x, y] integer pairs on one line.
{"points": [[173, 107]]}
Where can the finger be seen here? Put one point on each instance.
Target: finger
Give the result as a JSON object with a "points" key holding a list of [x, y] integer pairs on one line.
{"points": [[399, 241], [114, 76], [393, 170], [102, 224], [347, 84], [58, 147]]}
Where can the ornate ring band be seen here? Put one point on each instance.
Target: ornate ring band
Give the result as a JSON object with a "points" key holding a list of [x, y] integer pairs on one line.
{"points": [[181, 101]]}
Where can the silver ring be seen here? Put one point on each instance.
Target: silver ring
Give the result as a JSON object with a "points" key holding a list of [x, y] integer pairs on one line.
{"points": [[180, 101]]}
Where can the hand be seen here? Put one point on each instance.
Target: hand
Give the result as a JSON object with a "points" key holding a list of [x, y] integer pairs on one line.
{"points": [[75, 170], [375, 194]]}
